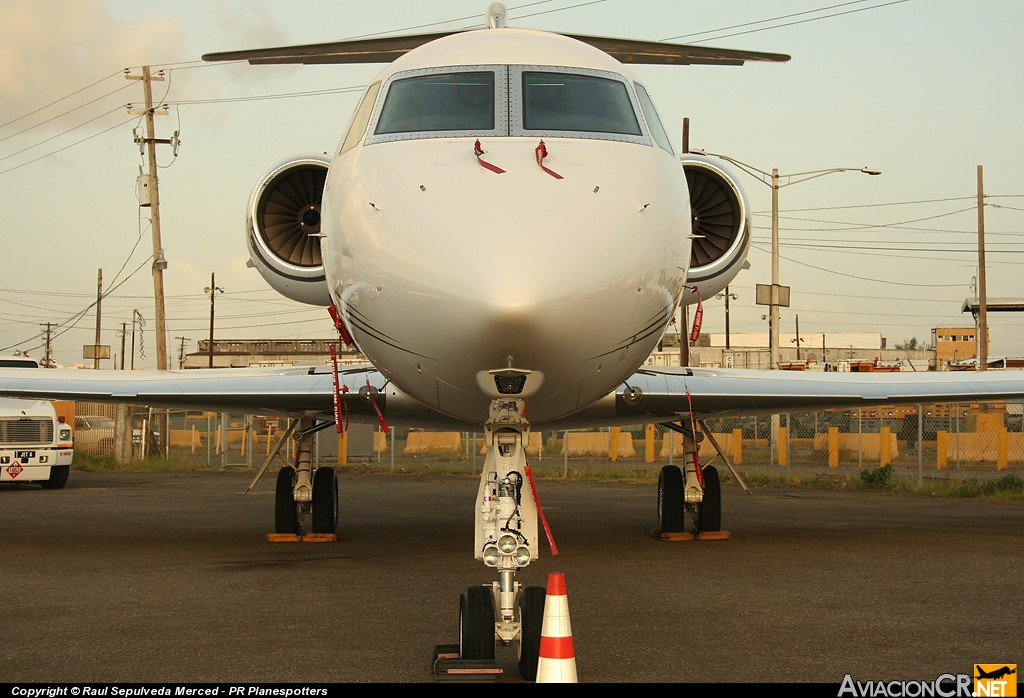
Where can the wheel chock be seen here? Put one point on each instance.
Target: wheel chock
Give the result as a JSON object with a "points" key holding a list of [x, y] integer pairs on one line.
{"points": [[304, 538], [448, 666], [319, 537], [705, 535]]}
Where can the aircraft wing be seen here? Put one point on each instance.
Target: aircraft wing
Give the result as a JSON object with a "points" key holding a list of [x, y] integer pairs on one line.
{"points": [[651, 394], [387, 49], [710, 392], [288, 391]]}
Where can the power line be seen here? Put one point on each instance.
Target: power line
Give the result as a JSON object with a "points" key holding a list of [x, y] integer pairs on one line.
{"points": [[61, 99]]}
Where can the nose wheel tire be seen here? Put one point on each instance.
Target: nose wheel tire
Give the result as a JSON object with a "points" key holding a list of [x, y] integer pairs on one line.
{"points": [[286, 514], [325, 501], [670, 499], [711, 506], [531, 619], [476, 624]]}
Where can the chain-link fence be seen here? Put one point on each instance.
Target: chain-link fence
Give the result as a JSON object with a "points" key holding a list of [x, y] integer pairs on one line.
{"points": [[945, 439]]}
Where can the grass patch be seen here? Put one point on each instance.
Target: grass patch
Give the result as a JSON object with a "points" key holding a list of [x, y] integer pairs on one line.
{"points": [[92, 463], [1009, 488]]}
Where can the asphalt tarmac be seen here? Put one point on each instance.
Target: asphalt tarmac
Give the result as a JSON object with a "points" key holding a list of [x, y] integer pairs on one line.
{"points": [[169, 578]]}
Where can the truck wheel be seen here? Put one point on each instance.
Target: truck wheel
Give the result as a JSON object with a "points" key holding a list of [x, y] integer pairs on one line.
{"points": [[58, 477]]}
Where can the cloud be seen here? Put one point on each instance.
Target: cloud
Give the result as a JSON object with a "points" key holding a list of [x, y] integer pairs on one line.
{"points": [[51, 49]]}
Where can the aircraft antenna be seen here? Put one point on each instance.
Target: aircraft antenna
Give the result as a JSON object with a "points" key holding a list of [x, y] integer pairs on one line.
{"points": [[496, 16]]}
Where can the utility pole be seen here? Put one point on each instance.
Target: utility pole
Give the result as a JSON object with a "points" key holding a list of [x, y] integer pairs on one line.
{"points": [[181, 350], [982, 291], [149, 195], [124, 331], [212, 290], [99, 299], [134, 313], [48, 352], [797, 337]]}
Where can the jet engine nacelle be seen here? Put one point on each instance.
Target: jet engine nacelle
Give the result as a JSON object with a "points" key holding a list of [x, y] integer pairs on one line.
{"points": [[721, 226], [283, 223]]}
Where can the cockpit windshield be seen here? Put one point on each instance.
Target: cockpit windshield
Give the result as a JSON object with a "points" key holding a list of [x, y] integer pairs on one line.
{"points": [[461, 101], [507, 100], [577, 102]]}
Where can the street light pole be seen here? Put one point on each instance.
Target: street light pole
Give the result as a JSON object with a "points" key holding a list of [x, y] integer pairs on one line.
{"points": [[212, 290], [774, 180], [773, 308], [727, 296]]}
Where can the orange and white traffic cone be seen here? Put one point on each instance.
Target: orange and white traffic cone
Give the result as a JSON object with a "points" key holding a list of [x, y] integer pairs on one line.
{"points": [[557, 660]]}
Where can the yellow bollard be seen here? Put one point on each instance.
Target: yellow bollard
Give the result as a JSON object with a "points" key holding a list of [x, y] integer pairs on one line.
{"points": [[885, 448], [737, 447], [245, 438], [613, 444], [783, 461], [649, 443], [193, 438], [833, 447], [941, 444], [1002, 460], [343, 447]]}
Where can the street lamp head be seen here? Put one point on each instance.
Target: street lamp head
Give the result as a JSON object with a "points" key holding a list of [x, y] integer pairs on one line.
{"points": [[869, 171]]}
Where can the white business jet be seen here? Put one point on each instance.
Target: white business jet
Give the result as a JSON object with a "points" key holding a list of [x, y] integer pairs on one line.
{"points": [[506, 232]]}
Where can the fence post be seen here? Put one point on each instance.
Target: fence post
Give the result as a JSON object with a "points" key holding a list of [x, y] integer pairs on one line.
{"points": [[885, 449]]}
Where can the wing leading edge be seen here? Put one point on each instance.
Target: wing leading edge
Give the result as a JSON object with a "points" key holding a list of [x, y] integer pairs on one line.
{"points": [[669, 392], [650, 394], [287, 392]]}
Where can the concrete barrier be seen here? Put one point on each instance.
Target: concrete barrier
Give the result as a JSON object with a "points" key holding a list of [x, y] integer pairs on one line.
{"points": [[974, 446], [598, 444], [728, 442], [870, 446], [433, 443]]}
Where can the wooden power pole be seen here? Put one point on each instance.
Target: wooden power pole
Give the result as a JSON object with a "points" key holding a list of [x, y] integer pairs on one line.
{"points": [[149, 195], [982, 289]]}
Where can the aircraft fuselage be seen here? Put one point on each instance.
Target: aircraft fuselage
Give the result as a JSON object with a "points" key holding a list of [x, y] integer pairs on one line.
{"points": [[566, 209]]}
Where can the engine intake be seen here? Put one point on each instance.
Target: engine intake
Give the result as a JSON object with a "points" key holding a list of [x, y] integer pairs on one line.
{"points": [[720, 227], [283, 221]]}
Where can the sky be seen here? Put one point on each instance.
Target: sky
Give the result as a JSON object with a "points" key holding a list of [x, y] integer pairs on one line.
{"points": [[927, 91]]}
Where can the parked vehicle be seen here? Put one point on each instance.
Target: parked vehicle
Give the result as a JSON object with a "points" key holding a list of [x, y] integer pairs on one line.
{"points": [[35, 444]]}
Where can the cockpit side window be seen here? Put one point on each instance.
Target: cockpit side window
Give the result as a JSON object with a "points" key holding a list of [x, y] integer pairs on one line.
{"points": [[462, 101], [360, 118], [574, 102], [653, 120]]}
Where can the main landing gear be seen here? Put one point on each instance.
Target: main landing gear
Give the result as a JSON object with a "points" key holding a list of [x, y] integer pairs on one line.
{"points": [[686, 497], [305, 500], [504, 612]]}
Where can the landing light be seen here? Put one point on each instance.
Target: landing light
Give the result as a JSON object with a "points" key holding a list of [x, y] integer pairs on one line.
{"points": [[522, 556], [507, 544], [492, 556]]}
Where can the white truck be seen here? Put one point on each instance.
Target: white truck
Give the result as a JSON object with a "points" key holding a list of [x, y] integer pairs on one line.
{"points": [[35, 444]]}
